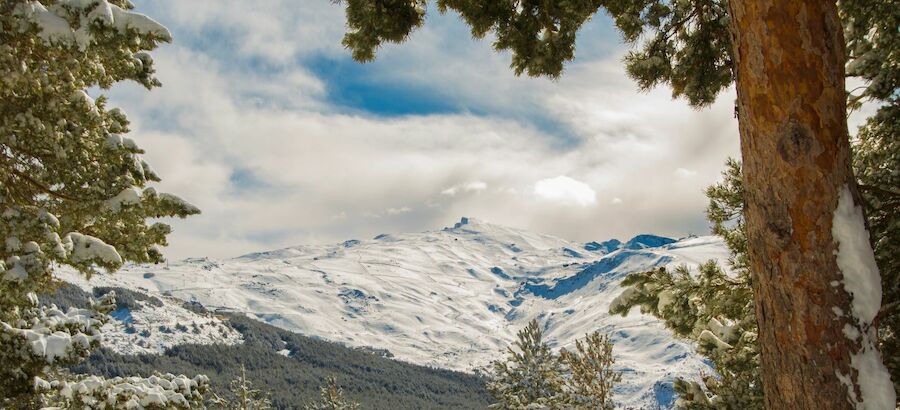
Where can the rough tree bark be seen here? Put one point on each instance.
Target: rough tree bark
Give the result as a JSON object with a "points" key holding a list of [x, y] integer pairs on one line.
{"points": [[789, 59]]}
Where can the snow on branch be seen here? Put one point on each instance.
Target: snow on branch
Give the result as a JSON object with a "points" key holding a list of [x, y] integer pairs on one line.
{"points": [[86, 248], [157, 391], [54, 26]]}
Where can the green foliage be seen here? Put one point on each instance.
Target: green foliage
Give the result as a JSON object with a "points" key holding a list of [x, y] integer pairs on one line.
{"points": [[533, 376], [873, 43], [710, 306], [371, 23], [684, 43], [873, 48], [332, 398], [73, 190], [245, 396], [591, 377], [540, 34], [717, 311], [725, 213]]}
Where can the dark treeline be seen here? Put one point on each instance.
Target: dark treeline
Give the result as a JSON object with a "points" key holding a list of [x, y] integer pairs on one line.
{"points": [[373, 381]]}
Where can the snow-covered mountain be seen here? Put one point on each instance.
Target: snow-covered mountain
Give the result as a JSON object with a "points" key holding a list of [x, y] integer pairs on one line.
{"points": [[453, 298]]}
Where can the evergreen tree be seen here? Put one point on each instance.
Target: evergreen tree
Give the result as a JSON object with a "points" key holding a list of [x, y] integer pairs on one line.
{"points": [[591, 377], [332, 398], [715, 310], [531, 376], [787, 60], [245, 396], [73, 191]]}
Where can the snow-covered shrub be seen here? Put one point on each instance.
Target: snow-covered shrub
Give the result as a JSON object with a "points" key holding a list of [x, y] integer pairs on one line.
{"points": [[128, 299], [161, 391]]}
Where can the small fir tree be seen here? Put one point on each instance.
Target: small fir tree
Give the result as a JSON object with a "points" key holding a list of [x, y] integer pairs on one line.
{"points": [[534, 377], [331, 397], [591, 377], [531, 376], [245, 396]]}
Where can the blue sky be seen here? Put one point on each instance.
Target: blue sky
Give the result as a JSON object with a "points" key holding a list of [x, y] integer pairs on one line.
{"points": [[266, 124]]}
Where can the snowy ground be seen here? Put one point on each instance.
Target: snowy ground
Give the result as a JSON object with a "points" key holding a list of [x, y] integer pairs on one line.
{"points": [[151, 329], [452, 298]]}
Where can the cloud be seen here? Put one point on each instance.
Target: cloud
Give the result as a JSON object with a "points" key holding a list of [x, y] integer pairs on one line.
{"points": [[398, 211], [274, 32], [565, 190], [685, 173], [247, 128], [472, 186]]}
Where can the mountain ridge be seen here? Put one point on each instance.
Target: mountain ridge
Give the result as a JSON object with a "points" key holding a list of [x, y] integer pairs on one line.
{"points": [[452, 298]]}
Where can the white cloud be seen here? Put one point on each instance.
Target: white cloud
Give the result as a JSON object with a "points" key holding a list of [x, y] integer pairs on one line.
{"points": [[312, 171], [565, 190], [685, 173], [276, 31], [398, 211], [472, 186]]}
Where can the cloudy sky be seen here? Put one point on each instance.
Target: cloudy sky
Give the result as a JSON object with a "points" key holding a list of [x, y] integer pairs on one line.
{"points": [[267, 125]]}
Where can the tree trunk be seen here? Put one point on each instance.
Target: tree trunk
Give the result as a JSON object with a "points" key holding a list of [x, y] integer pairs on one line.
{"points": [[789, 62]]}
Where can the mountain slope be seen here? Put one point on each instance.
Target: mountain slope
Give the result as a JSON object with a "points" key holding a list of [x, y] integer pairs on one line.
{"points": [[452, 298], [289, 367]]}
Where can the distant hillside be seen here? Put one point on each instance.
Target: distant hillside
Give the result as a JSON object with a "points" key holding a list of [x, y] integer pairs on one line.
{"points": [[289, 366]]}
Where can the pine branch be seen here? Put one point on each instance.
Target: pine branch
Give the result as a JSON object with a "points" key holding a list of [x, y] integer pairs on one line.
{"points": [[41, 186], [870, 188]]}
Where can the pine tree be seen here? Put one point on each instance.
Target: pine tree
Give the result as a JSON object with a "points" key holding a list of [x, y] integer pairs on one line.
{"points": [[245, 396], [787, 61], [331, 397], [73, 191], [531, 376], [591, 377], [715, 310]]}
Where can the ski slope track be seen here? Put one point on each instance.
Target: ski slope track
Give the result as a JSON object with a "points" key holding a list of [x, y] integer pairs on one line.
{"points": [[453, 298]]}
